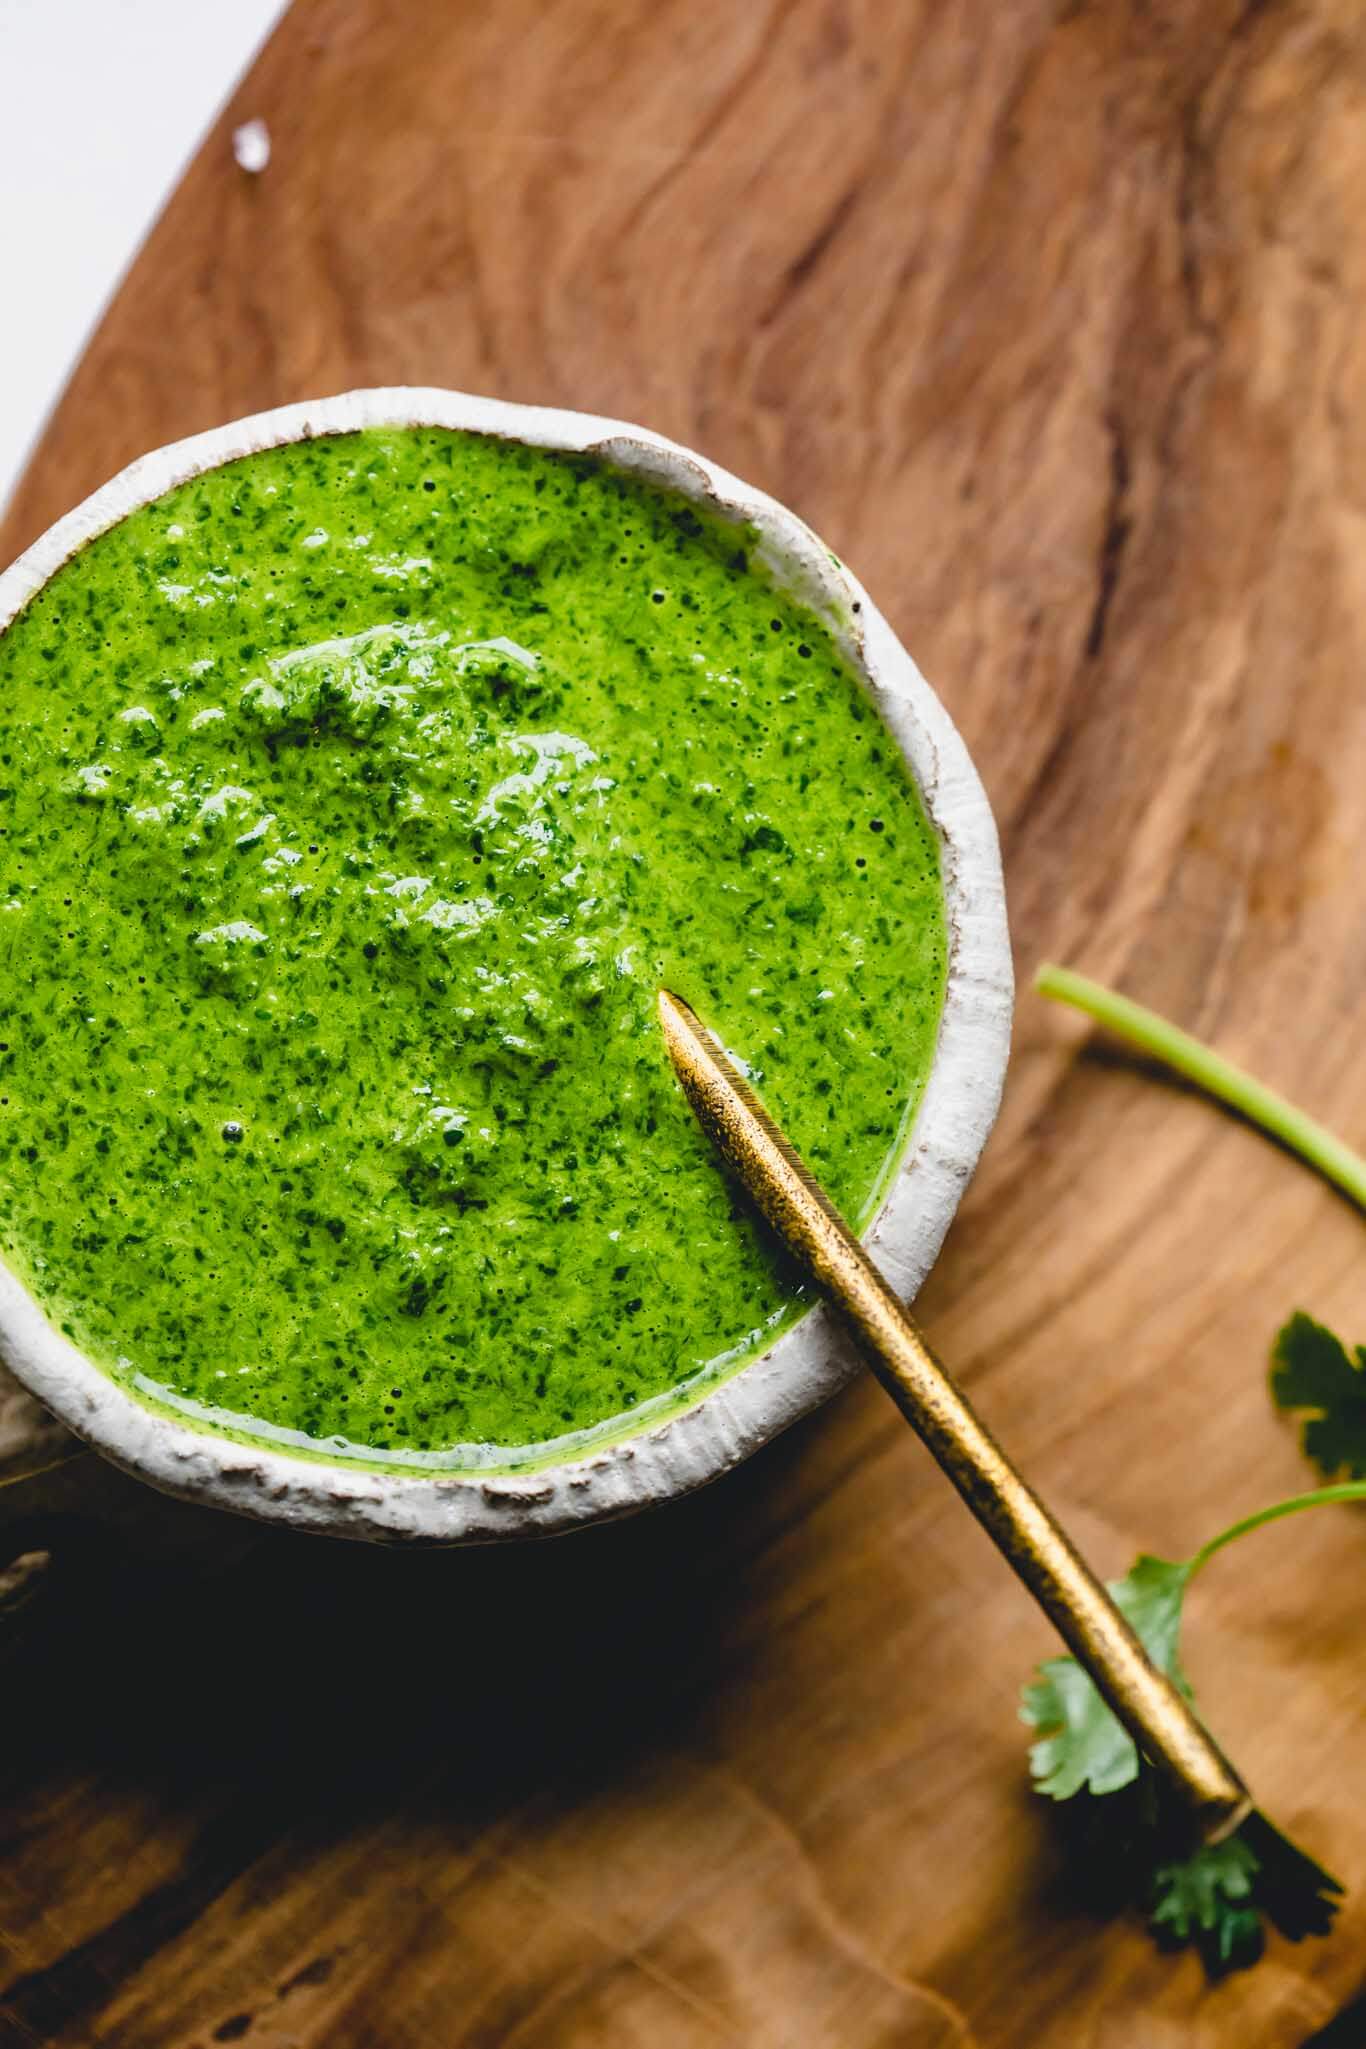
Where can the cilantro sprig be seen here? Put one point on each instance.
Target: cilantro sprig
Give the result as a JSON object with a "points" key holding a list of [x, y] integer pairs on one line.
{"points": [[1218, 1897]]}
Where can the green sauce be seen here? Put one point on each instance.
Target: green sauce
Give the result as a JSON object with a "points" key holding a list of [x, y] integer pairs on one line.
{"points": [[357, 798]]}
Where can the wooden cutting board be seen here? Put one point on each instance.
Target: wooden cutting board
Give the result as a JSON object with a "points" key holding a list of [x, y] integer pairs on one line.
{"points": [[1050, 318]]}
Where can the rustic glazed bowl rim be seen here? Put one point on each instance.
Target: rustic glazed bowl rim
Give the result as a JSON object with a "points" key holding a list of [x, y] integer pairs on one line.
{"points": [[808, 1362]]}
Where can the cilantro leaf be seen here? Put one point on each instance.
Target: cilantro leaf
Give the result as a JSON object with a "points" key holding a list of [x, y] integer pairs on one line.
{"points": [[1135, 1837], [1312, 1373], [1219, 1896], [1083, 1744], [1132, 1852], [1206, 1898]]}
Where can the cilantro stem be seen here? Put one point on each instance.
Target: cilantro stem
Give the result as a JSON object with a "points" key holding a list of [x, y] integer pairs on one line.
{"points": [[1200, 1064], [1346, 1490]]}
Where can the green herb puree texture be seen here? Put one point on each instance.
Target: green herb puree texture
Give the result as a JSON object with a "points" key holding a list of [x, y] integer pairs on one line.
{"points": [[357, 799]]}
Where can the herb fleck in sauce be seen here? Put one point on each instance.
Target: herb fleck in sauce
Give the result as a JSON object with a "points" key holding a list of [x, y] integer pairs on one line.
{"points": [[355, 800]]}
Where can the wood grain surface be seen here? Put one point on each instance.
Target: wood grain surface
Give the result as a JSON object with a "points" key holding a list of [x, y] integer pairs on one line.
{"points": [[1052, 319]]}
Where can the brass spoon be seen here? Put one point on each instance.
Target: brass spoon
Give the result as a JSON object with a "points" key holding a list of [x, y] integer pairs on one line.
{"points": [[1161, 1723]]}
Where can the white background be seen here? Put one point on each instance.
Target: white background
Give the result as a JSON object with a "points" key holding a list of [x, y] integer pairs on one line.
{"points": [[102, 102]]}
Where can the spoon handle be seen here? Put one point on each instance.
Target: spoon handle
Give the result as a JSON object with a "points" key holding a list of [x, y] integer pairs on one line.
{"points": [[1028, 1537]]}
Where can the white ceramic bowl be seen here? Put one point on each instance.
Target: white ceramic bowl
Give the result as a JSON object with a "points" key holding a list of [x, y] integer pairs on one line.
{"points": [[733, 1417]]}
